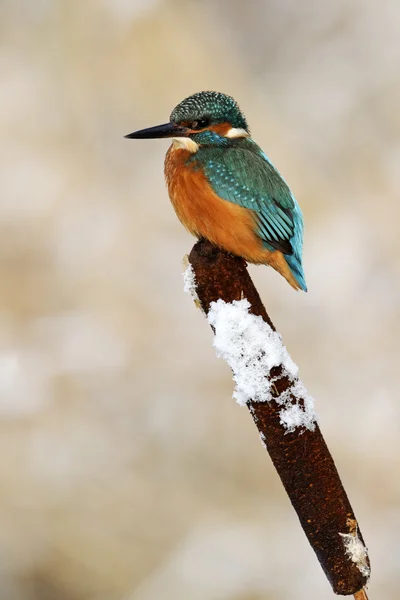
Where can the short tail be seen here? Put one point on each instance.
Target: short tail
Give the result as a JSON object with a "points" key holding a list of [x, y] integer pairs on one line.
{"points": [[297, 270]]}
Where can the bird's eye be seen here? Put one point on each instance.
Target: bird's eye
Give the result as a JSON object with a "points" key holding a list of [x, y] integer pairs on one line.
{"points": [[200, 124]]}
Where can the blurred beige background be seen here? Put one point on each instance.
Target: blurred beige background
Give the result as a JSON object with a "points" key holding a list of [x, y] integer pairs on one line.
{"points": [[126, 470]]}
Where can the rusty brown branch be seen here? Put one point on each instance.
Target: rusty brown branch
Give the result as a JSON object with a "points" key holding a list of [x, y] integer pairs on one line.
{"points": [[301, 457], [361, 595]]}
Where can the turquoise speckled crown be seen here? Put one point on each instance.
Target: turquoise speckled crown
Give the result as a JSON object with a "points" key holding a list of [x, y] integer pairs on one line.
{"points": [[215, 106]]}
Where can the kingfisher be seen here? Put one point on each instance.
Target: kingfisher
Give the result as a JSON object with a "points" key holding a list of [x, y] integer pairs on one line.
{"points": [[225, 189]]}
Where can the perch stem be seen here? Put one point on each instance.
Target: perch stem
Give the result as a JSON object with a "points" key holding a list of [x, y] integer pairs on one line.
{"points": [[301, 456], [361, 595]]}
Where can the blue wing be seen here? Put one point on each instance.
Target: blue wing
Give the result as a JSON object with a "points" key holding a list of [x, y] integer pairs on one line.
{"points": [[245, 176]]}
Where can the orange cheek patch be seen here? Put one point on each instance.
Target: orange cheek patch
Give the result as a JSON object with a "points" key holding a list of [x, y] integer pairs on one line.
{"points": [[221, 128]]}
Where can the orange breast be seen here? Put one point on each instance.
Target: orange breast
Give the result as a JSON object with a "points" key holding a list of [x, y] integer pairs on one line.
{"points": [[206, 215]]}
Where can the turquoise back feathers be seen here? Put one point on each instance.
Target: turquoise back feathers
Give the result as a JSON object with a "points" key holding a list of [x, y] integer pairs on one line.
{"points": [[239, 171]]}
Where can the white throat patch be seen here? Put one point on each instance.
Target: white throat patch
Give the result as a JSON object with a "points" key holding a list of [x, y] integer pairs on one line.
{"points": [[185, 143]]}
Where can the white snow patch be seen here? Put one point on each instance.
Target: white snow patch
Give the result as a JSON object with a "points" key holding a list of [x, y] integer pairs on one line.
{"points": [[189, 282], [356, 551], [296, 415], [252, 348]]}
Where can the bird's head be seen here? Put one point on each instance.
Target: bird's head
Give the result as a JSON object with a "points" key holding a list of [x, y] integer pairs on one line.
{"points": [[206, 118]]}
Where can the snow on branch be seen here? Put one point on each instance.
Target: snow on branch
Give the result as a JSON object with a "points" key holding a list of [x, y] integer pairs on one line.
{"points": [[355, 548], [189, 281], [267, 382], [252, 348]]}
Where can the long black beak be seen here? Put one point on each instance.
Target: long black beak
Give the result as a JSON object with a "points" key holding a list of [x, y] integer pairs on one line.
{"points": [[160, 131]]}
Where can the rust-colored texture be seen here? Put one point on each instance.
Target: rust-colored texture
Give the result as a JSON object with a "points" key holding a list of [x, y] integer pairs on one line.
{"points": [[301, 457]]}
